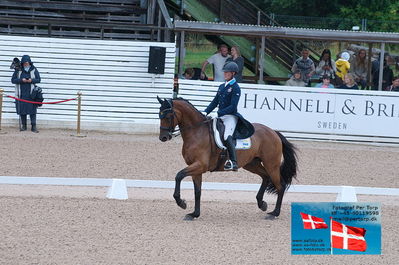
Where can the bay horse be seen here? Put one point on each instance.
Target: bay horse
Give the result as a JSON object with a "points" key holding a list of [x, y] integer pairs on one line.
{"points": [[271, 155]]}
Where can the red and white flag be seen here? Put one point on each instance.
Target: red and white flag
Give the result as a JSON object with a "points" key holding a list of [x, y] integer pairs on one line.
{"points": [[347, 237], [312, 222]]}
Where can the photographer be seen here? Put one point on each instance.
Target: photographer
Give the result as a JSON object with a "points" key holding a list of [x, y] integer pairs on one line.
{"points": [[25, 77]]}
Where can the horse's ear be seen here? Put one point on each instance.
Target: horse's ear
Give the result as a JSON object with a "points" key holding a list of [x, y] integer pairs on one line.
{"points": [[159, 99], [170, 102]]}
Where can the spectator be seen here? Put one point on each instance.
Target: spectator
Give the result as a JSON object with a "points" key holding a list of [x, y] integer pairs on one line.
{"points": [[25, 80], [295, 80], [343, 67], [305, 65], [349, 82], [394, 86], [326, 83], [193, 74], [218, 60], [387, 73], [239, 60], [359, 68], [326, 65]]}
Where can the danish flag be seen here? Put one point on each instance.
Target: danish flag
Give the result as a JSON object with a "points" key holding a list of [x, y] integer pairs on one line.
{"points": [[347, 237], [312, 222]]}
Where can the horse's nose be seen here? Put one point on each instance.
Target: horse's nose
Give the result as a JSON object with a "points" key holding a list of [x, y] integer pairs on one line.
{"points": [[163, 138]]}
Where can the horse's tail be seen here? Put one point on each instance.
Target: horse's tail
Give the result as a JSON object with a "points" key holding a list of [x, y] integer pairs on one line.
{"points": [[288, 168]]}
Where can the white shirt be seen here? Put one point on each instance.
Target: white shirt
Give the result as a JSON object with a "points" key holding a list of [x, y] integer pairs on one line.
{"points": [[218, 62]]}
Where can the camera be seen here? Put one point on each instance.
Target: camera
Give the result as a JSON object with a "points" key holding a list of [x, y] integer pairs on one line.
{"points": [[16, 64]]}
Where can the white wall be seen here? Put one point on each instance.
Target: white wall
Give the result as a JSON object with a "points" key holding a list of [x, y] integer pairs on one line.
{"points": [[118, 93], [333, 114]]}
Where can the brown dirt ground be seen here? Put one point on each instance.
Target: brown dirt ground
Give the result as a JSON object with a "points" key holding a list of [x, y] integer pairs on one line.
{"points": [[77, 225]]}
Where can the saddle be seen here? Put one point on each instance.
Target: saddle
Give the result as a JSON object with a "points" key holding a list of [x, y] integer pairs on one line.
{"points": [[218, 132]]}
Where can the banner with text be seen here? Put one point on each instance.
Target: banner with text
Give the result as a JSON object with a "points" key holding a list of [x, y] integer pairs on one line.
{"points": [[327, 111]]}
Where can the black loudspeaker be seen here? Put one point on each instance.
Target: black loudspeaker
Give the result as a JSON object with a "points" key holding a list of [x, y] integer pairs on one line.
{"points": [[156, 61]]}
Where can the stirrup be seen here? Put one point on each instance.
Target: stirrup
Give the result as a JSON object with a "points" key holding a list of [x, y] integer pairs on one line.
{"points": [[230, 166]]}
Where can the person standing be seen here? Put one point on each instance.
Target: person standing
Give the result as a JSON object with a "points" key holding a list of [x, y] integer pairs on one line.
{"points": [[218, 60], [343, 67], [326, 65], [25, 80], [359, 68], [305, 65], [387, 73], [239, 60], [227, 99]]}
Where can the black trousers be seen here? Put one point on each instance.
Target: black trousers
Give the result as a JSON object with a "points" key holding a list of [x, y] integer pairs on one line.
{"points": [[32, 119]]}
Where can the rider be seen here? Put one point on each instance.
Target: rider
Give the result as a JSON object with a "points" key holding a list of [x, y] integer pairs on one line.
{"points": [[227, 99]]}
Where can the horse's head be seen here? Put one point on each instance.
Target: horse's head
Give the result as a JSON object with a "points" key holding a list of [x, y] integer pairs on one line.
{"points": [[168, 119]]}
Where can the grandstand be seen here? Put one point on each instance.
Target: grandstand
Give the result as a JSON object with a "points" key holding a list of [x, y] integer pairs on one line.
{"points": [[268, 57], [97, 19]]}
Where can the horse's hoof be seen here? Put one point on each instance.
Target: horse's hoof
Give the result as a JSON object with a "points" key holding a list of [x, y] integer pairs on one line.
{"points": [[264, 206], [273, 214], [191, 216], [188, 217], [183, 204]]}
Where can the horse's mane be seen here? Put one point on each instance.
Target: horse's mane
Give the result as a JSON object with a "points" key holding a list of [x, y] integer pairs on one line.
{"points": [[190, 104]]}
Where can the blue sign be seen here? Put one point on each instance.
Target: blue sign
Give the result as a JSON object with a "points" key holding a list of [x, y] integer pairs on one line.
{"points": [[334, 228]]}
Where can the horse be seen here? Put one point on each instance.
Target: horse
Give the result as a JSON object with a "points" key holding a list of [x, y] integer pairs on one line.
{"points": [[271, 155]]}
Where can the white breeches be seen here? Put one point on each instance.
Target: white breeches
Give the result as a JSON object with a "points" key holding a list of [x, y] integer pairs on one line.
{"points": [[230, 122]]}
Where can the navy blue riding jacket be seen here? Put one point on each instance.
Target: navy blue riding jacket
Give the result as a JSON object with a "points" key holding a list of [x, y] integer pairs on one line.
{"points": [[227, 99]]}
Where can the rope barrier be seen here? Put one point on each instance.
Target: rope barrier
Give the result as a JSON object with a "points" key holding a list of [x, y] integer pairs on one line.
{"points": [[35, 102], [78, 98]]}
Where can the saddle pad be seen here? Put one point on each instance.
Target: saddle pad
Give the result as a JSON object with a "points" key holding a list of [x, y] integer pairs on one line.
{"points": [[241, 144]]}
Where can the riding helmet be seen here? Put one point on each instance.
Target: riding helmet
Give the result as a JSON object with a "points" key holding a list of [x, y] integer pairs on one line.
{"points": [[230, 67]]}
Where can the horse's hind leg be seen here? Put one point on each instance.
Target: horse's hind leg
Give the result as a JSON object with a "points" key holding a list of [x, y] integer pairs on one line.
{"points": [[256, 167], [276, 180], [276, 211]]}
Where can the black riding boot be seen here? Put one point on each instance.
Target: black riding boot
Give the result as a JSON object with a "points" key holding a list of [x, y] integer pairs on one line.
{"points": [[23, 123], [231, 149], [34, 129]]}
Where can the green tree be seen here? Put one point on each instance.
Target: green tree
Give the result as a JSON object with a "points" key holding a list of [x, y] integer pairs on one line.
{"points": [[381, 14]]}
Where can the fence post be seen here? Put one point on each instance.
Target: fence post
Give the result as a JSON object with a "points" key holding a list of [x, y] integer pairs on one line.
{"points": [[79, 110], [262, 52], [1, 104]]}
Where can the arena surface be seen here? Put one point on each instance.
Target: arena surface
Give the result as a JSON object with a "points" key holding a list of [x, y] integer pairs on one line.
{"points": [[78, 225]]}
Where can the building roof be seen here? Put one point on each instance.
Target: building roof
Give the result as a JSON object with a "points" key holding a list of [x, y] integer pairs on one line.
{"points": [[285, 32]]}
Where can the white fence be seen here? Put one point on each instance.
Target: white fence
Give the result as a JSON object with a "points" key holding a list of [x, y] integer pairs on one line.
{"points": [[311, 113], [112, 76], [118, 186]]}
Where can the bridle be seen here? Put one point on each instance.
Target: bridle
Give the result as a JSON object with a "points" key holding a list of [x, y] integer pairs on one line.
{"points": [[171, 128], [164, 114]]}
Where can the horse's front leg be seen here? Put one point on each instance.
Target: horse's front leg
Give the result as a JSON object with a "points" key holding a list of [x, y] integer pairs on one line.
{"points": [[179, 177], [197, 180], [191, 170]]}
